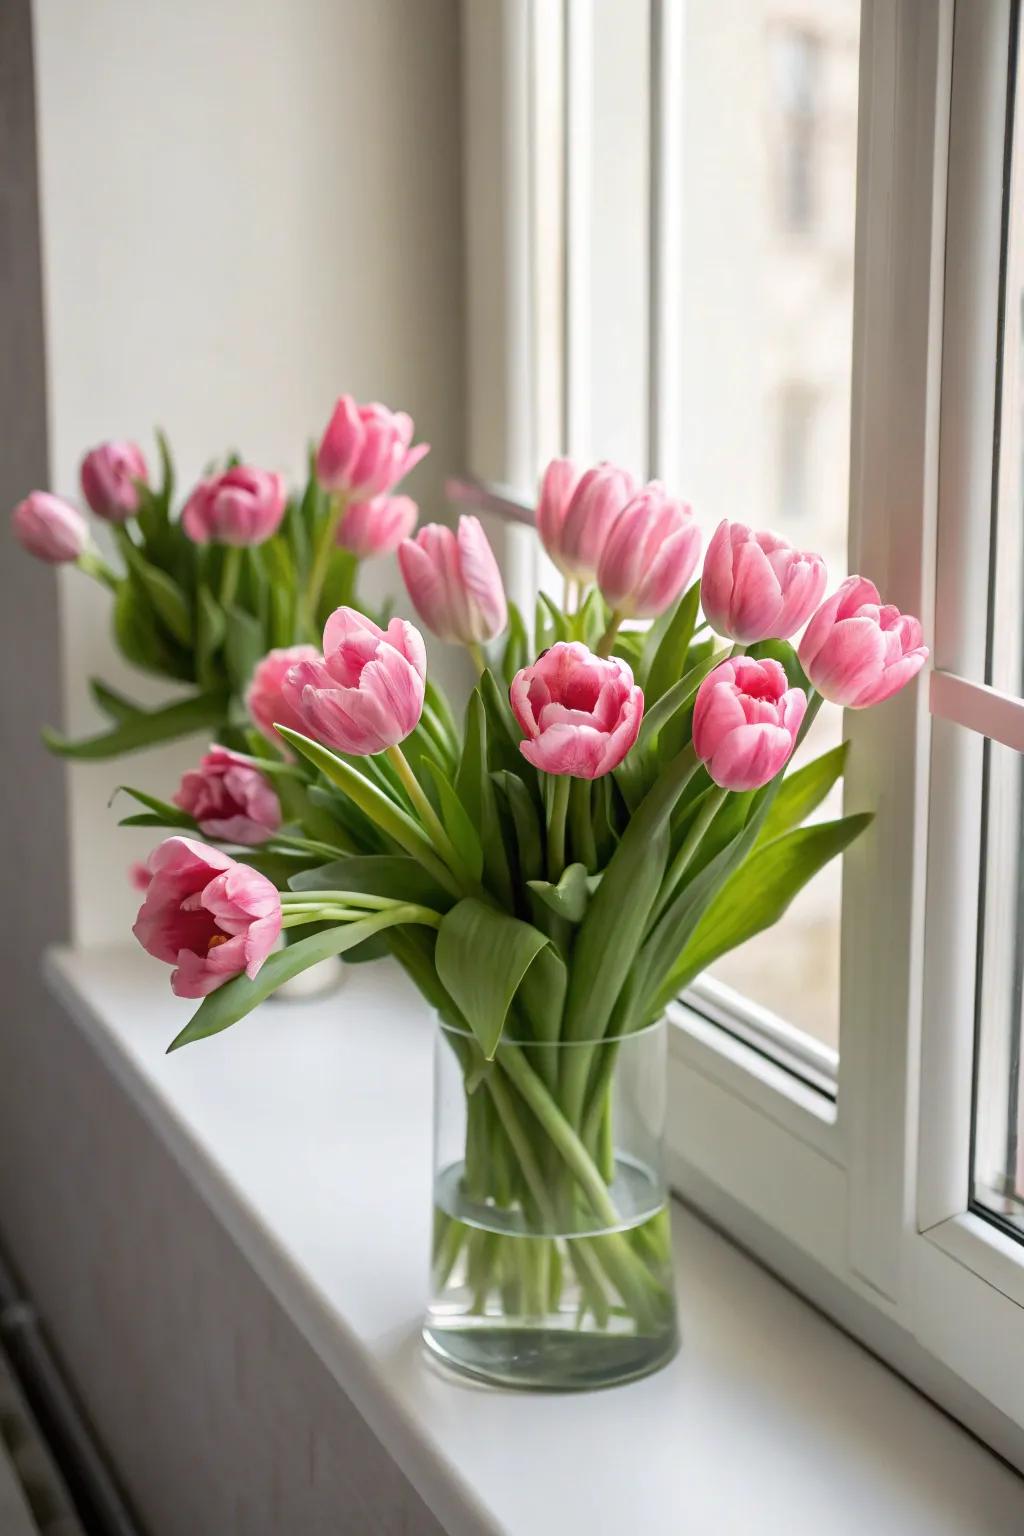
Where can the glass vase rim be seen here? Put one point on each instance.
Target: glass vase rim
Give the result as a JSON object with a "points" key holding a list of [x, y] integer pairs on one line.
{"points": [[529, 1043]]}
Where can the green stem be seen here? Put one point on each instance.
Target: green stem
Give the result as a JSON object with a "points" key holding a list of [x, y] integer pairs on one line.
{"points": [[92, 563], [230, 572], [479, 660], [429, 817], [556, 824], [306, 845], [322, 553], [687, 848], [607, 640], [291, 899]]}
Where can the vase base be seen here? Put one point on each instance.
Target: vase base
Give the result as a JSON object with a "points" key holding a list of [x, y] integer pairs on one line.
{"points": [[548, 1359]]}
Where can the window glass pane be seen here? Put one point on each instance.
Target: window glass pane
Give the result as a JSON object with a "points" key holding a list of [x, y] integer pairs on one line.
{"points": [[770, 159], [999, 1090]]}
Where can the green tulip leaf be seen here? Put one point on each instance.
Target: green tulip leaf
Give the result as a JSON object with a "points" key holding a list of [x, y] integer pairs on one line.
{"points": [[482, 955], [803, 790], [568, 899], [145, 729]]}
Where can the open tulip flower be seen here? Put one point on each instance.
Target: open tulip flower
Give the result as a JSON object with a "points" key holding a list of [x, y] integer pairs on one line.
{"points": [[366, 693], [755, 586], [580, 713], [206, 915], [230, 799], [745, 722], [366, 449], [857, 650], [242, 506]]}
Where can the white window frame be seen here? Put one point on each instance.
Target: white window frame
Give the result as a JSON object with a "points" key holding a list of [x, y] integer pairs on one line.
{"points": [[860, 1200]]}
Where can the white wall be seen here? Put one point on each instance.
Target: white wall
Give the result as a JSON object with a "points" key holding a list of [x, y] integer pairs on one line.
{"points": [[248, 207]]}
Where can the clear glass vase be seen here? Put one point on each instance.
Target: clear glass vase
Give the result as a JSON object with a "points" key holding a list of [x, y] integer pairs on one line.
{"points": [[552, 1262]]}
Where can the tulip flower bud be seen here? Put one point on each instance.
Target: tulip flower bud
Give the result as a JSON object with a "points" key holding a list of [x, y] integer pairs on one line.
{"points": [[376, 527], [365, 449], [745, 721], [208, 916], [49, 528], [240, 507], [649, 555], [454, 582], [576, 538], [858, 651], [580, 713], [755, 586], [556, 491], [110, 477], [230, 799], [366, 694]]}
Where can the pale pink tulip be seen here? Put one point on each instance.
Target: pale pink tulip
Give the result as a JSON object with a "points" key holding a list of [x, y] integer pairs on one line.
{"points": [[454, 582], [560, 480], [755, 586], [230, 799], [266, 701], [596, 503], [580, 712], [745, 721], [110, 477], [365, 450], [377, 527], [207, 915], [366, 694], [49, 528], [242, 506], [649, 555], [858, 650]]}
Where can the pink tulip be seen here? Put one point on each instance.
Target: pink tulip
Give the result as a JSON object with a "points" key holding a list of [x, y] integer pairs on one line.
{"points": [[580, 712], [242, 506], [745, 721], [556, 491], [230, 799], [366, 694], [266, 700], [858, 651], [577, 542], [755, 586], [377, 527], [365, 449], [110, 477], [454, 582], [49, 528], [139, 876], [650, 554], [206, 915]]}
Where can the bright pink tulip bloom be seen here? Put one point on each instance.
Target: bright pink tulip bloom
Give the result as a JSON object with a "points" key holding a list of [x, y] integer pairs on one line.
{"points": [[266, 701], [206, 915], [755, 586], [454, 582], [377, 527], [242, 506], [858, 650], [366, 694], [49, 528], [745, 721], [560, 480], [230, 799], [576, 545], [580, 712], [365, 450], [110, 476], [649, 555]]}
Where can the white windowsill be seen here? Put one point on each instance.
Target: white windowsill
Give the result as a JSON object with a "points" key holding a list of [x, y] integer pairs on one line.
{"points": [[306, 1128]]}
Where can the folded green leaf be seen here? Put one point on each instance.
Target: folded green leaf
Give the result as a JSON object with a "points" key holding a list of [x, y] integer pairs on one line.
{"points": [[476, 792], [482, 956], [456, 822], [376, 874], [168, 599], [170, 815], [526, 821], [116, 706], [144, 729], [211, 626], [516, 652], [758, 893], [568, 899], [668, 663], [244, 646], [142, 641]]}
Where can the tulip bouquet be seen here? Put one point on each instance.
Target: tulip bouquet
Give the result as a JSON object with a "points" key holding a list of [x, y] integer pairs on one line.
{"points": [[244, 570], [612, 816]]}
